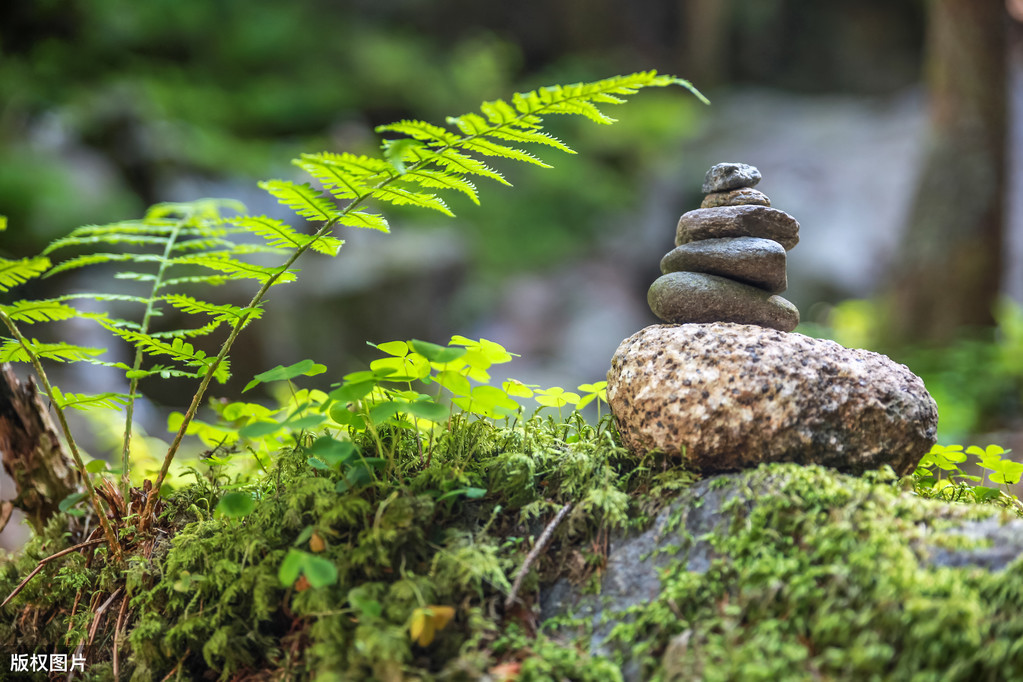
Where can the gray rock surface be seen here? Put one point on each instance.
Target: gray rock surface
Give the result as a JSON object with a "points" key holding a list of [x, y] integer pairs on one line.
{"points": [[726, 396], [685, 537], [725, 176], [736, 197], [738, 221], [683, 297], [751, 260]]}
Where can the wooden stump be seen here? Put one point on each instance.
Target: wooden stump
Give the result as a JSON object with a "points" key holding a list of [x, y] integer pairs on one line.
{"points": [[32, 452]]}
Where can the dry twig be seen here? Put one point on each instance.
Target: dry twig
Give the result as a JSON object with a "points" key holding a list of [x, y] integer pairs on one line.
{"points": [[534, 554]]}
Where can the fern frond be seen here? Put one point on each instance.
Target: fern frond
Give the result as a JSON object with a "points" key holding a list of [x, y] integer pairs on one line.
{"points": [[49, 310], [85, 401], [368, 168], [177, 349], [189, 333], [221, 312], [207, 280], [278, 234], [302, 199], [488, 148], [361, 219], [334, 177], [15, 272], [403, 197], [114, 238], [527, 134], [202, 244], [438, 180], [100, 258], [12, 351], [457, 162], [236, 269], [421, 130]]}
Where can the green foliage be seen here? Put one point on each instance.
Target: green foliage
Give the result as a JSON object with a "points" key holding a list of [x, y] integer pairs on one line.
{"points": [[176, 247], [939, 475]]}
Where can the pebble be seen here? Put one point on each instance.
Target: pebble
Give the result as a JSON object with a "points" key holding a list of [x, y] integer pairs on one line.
{"points": [[750, 260], [693, 297], [725, 176], [736, 197], [738, 221]]}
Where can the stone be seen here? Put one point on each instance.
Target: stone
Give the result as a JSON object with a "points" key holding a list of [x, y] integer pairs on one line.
{"points": [[682, 297], [738, 221], [711, 542], [725, 397], [737, 197], [725, 176], [750, 260]]}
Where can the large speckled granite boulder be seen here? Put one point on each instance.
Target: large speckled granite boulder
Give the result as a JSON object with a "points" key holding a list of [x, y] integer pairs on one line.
{"points": [[730, 396]]}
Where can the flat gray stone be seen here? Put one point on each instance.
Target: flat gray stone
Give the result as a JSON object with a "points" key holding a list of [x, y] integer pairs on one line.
{"points": [[683, 297], [737, 197], [725, 397], [738, 221], [750, 260], [725, 176]]}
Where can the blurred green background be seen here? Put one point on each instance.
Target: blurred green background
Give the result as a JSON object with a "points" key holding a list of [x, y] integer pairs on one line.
{"points": [[847, 107]]}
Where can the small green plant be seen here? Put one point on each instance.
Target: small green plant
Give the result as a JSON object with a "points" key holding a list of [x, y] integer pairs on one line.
{"points": [[939, 475], [178, 248]]}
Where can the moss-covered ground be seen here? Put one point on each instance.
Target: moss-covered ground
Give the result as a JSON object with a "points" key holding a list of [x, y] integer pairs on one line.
{"points": [[819, 576]]}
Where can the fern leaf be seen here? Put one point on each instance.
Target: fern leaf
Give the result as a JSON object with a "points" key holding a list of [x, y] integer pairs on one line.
{"points": [[12, 351], [421, 130], [222, 312], [368, 168], [439, 180], [361, 219], [403, 197], [207, 280], [488, 148], [203, 244], [236, 269], [334, 178], [302, 199], [100, 258], [84, 401], [188, 333], [177, 349], [114, 238], [471, 124], [39, 311], [519, 135], [15, 272], [457, 162], [281, 235]]}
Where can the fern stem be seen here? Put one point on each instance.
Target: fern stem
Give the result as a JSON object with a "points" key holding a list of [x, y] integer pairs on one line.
{"points": [[108, 532], [225, 348], [129, 412]]}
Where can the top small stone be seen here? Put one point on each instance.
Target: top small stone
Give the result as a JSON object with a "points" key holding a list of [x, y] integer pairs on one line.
{"points": [[726, 176]]}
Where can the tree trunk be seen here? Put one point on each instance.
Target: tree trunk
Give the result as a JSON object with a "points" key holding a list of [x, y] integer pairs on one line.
{"points": [[32, 452], [948, 273]]}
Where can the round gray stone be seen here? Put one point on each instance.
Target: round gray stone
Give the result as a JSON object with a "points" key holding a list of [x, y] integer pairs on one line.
{"points": [[725, 176], [726, 397], [738, 221], [680, 297], [737, 197], [750, 260]]}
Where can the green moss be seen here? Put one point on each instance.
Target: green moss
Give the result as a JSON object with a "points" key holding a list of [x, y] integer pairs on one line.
{"points": [[823, 577]]}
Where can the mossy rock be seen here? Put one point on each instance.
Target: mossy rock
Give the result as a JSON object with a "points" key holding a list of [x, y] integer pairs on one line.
{"points": [[782, 573], [800, 573]]}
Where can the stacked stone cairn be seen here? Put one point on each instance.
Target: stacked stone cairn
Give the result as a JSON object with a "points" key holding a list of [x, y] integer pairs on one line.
{"points": [[726, 385], [728, 264]]}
